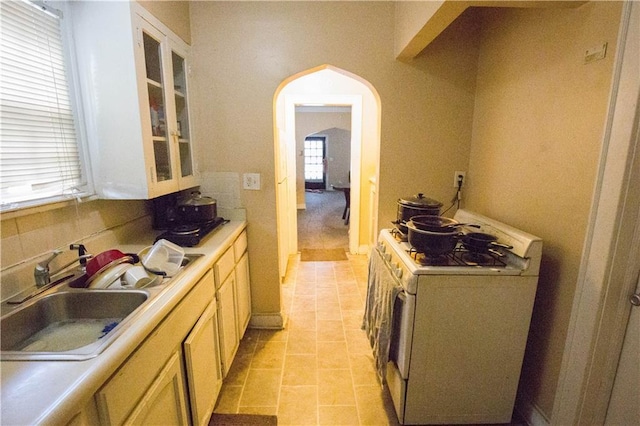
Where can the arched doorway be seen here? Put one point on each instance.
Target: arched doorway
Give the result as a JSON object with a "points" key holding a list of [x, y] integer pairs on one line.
{"points": [[329, 86]]}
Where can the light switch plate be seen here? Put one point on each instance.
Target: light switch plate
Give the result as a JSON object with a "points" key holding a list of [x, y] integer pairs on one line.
{"points": [[251, 181]]}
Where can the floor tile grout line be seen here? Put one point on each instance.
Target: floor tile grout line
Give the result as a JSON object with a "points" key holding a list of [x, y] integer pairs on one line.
{"points": [[353, 385], [286, 346], [246, 377]]}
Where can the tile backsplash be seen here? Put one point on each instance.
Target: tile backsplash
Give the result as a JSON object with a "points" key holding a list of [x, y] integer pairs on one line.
{"points": [[223, 186], [98, 224]]}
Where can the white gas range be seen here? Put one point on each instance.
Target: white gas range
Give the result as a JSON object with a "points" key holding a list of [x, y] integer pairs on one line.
{"points": [[460, 324]]}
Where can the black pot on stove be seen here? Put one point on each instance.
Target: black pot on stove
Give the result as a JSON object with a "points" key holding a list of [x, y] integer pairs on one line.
{"points": [[415, 205], [432, 243], [196, 209]]}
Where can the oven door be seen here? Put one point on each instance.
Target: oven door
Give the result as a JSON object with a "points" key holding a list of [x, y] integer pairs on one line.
{"points": [[402, 332]]}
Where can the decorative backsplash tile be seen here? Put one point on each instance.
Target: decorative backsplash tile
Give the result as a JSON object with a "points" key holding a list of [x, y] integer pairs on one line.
{"points": [[224, 187]]}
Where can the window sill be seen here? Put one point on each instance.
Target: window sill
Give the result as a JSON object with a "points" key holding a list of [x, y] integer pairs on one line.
{"points": [[46, 206]]}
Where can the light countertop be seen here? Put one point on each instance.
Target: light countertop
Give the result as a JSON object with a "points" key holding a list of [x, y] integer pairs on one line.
{"points": [[52, 392]]}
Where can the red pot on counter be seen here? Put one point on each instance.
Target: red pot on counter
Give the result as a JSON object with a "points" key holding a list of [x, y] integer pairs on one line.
{"points": [[106, 259]]}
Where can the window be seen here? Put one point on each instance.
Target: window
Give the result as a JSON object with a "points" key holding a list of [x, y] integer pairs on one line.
{"points": [[40, 157], [314, 158]]}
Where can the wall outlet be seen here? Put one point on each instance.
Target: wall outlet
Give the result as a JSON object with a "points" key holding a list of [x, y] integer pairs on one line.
{"points": [[251, 181], [459, 176]]}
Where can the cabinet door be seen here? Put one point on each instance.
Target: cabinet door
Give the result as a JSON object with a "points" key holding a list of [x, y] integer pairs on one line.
{"points": [[243, 293], [227, 327], [87, 416], [202, 356], [180, 127], [164, 403], [157, 85]]}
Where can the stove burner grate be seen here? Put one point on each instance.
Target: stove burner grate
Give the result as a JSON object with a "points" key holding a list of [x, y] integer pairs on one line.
{"points": [[399, 235], [189, 235], [458, 257]]}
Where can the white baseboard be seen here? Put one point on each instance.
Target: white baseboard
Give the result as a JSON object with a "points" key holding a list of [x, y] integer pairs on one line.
{"points": [[302, 206], [274, 321], [530, 412], [364, 249]]}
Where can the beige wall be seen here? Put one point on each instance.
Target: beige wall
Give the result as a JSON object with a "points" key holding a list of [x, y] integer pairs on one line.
{"points": [[174, 14], [243, 51], [336, 127], [537, 130]]}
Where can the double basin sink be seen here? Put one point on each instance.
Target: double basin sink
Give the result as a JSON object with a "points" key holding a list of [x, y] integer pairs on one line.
{"points": [[67, 323]]}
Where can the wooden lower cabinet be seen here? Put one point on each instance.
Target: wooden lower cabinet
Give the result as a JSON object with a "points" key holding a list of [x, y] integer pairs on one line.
{"points": [[154, 372], [175, 376], [243, 292], [202, 361], [88, 415], [229, 339], [164, 403]]}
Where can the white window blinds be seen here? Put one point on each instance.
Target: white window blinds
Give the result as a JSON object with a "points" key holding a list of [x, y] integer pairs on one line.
{"points": [[39, 156]]}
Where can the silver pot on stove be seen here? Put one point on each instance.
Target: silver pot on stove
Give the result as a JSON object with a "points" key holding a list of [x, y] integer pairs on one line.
{"points": [[415, 205]]}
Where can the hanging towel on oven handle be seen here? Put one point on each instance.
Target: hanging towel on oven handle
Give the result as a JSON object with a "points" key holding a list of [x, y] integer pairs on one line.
{"points": [[382, 291]]}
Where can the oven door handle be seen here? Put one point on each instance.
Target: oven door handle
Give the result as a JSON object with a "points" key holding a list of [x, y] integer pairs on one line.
{"points": [[402, 332]]}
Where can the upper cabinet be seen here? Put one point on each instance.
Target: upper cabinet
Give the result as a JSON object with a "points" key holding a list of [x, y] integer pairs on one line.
{"points": [[134, 78]]}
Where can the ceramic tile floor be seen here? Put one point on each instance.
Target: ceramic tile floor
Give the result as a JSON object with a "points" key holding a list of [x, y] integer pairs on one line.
{"points": [[319, 369]]}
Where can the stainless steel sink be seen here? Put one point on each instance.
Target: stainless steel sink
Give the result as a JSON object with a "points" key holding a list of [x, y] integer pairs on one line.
{"points": [[68, 324]]}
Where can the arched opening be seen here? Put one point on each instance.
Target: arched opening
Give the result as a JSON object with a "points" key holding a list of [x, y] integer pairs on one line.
{"points": [[327, 85]]}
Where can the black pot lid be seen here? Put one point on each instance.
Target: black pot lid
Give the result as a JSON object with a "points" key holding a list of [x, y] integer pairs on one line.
{"points": [[197, 199], [420, 200]]}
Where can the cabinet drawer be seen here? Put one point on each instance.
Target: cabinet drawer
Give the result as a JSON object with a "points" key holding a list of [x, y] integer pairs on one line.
{"points": [[224, 266], [240, 245]]}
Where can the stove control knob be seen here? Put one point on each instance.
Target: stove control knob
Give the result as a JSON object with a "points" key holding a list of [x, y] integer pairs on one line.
{"points": [[398, 271], [382, 247], [635, 299], [387, 256]]}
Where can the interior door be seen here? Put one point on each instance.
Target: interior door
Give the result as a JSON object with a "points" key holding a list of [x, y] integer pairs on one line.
{"points": [[624, 406]]}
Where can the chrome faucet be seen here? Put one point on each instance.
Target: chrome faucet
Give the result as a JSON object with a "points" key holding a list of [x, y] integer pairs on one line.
{"points": [[42, 273]]}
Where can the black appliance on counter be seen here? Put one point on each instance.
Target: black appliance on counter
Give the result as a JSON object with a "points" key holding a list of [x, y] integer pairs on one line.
{"points": [[186, 220]]}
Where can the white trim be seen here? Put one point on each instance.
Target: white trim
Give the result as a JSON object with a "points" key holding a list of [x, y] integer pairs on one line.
{"points": [[355, 102], [583, 383], [530, 412], [364, 249], [275, 321]]}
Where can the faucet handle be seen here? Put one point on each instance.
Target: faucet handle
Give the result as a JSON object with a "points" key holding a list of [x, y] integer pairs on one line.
{"points": [[44, 265]]}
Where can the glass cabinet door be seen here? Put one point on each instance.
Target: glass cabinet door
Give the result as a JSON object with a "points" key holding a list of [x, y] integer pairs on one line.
{"points": [[179, 68], [157, 107]]}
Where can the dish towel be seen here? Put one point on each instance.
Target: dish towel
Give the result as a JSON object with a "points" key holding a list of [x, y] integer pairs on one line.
{"points": [[382, 291]]}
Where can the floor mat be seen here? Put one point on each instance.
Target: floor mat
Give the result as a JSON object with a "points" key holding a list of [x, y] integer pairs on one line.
{"points": [[322, 255], [242, 419]]}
